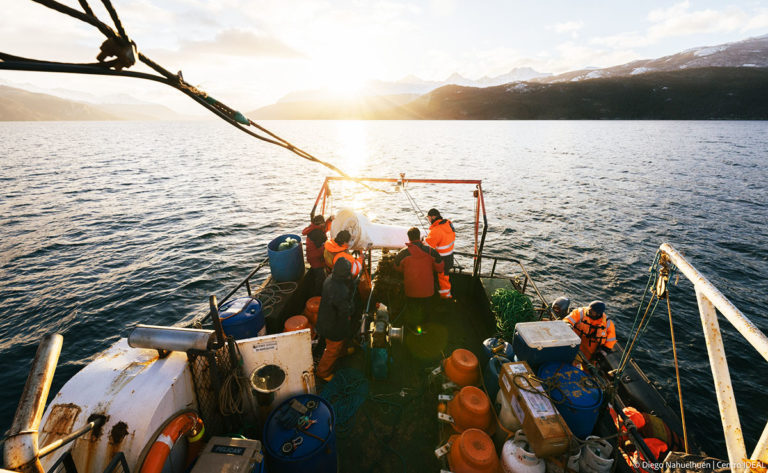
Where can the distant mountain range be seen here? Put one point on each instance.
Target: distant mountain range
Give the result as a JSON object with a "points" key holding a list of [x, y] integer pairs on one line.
{"points": [[750, 53], [726, 81], [413, 86], [693, 94], [22, 105]]}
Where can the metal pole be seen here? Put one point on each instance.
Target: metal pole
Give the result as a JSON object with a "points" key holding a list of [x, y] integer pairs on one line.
{"points": [[220, 340], [53, 446], [747, 329], [21, 447], [761, 449], [729, 414]]}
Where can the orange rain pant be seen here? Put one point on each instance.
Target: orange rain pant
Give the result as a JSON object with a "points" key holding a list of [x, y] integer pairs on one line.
{"points": [[333, 351], [445, 285]]}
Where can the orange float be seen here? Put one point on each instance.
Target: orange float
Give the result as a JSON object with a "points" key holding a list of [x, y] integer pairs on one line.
{"points": [[471, 409], [472, 452], [311, 308], [188, 424], [462, 368], [297, 322]]}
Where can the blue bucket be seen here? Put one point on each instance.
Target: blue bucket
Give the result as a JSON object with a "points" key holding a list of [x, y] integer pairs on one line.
{"points": [[242, 318], [576, 395], [285, 265], [491, 374], [285, 426]]}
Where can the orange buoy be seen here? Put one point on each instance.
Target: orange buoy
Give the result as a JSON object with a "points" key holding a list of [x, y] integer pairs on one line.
{"points": [[472, 452], [462, 368], [311, 308], [185, 424], [471, 409], [297, 322]]}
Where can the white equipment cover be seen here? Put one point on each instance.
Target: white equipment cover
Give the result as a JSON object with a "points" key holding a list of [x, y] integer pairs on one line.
{"points": [[365, 233]]}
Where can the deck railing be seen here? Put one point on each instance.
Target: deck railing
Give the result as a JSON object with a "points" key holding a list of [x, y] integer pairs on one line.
{"points": [[476, 272], [709, 299]]}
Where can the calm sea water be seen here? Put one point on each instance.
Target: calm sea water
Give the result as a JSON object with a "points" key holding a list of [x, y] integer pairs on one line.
{"points": [[106, 225]]}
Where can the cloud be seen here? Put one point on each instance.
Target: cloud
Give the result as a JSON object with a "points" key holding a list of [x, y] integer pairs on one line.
{"points": [[42, 33], [567, 27], [630, 39], [575, 56], [680, 20], [443, 7], [235, 42], [757, 22]]}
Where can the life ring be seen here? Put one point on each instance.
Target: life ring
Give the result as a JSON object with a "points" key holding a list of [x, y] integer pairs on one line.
{"points": [[187, 423]]}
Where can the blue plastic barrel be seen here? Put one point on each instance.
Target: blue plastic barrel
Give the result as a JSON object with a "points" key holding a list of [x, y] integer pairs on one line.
{"points": [[285, 265], [491, 374], [242, 318], [576, 395], [288, 445]]}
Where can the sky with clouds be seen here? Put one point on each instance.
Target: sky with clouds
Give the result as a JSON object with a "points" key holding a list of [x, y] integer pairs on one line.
{"points": [[249, 53]]}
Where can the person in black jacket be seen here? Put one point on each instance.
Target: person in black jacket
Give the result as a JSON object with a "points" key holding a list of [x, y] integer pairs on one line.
{"points": [[333, 317]]}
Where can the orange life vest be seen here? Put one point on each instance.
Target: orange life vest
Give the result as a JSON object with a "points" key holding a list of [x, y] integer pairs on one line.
{"points": [[593, 333], [657, 446], [333, 251]]}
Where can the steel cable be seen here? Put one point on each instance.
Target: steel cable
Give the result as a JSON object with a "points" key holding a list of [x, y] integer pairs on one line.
{"points": [[124, 58]]}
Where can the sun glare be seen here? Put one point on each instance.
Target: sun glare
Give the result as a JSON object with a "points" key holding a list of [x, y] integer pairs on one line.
{"points": [[346, 86], [352, 136], [341, 79]]}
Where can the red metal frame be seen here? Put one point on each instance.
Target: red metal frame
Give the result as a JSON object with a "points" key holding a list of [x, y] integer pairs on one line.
{"points": [[479, 201]]}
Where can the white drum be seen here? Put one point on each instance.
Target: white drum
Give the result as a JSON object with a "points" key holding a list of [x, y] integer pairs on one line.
{"points": [[365, 233]]}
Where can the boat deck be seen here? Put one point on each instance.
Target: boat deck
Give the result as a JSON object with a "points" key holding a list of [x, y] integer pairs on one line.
{"points": [[396, 427], [392, 424]]}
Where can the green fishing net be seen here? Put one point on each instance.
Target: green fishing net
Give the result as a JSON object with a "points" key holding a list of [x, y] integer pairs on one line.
{"points": [[510, 307]]}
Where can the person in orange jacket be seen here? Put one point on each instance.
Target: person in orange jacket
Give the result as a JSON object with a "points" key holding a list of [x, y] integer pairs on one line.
{"points": [[597, 333], [441, 237], [657, 435], [651, 426], [339, 248]]}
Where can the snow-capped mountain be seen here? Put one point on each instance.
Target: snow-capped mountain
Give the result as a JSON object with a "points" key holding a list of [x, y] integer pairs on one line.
{"points": [[752, 52], [412, 85]]}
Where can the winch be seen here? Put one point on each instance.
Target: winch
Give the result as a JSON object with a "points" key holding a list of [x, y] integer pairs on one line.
{"points": [[378, 335]]}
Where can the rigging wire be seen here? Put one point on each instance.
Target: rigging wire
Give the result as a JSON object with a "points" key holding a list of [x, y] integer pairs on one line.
{"points": [[660, 273], [416, 209], [125, 53], [666, 275], [639, 324]]}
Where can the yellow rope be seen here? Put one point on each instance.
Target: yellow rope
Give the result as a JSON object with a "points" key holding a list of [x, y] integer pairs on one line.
{"points": [[677, 375]]}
